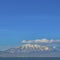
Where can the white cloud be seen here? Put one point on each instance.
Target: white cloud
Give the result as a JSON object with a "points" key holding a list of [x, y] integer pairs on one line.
{"points": [[41, 41]]}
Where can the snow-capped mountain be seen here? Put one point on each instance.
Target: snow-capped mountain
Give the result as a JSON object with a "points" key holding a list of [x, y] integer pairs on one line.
{"points": [[32, 50]]}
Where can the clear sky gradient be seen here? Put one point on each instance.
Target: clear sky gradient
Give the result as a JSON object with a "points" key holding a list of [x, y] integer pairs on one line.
{"points": [[28, 20]]}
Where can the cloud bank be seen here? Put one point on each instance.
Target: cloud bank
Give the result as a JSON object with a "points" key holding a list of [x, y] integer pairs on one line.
{"points": [[41, 41]]}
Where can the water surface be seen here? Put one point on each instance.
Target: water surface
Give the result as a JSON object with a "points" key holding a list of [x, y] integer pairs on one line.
{"points": [[32, 58]]}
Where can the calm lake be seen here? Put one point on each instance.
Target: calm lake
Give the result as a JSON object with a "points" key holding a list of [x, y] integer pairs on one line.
{"points": [[32, 58]]}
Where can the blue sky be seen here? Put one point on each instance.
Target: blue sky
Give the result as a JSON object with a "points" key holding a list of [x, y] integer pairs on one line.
{"points": [[28, 20]]}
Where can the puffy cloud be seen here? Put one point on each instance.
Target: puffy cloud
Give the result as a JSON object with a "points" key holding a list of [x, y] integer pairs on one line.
{"points": [[41, 41], [27, 41]]}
